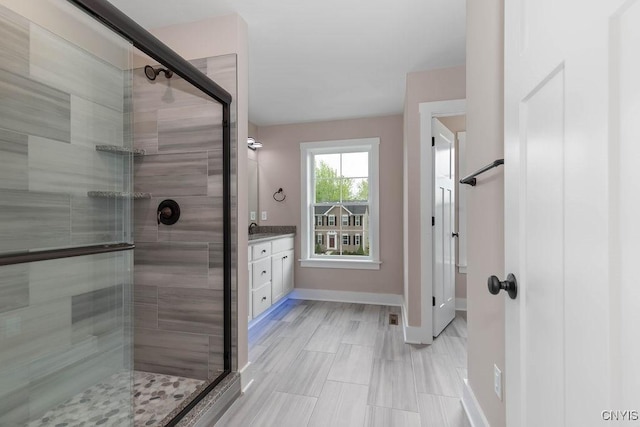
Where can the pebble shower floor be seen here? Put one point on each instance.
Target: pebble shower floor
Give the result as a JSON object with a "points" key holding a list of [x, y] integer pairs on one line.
{"points": [[155, 396]]}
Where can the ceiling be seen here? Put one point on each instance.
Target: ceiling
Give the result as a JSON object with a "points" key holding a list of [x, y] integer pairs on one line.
{"points": [[319, 60]]}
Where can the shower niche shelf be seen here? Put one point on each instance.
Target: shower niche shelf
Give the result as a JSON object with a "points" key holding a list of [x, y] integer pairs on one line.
{"points": [[118, 195], [116, 149]]}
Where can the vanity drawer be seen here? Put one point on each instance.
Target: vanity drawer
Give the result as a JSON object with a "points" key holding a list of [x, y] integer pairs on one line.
{"points": [[280, 245], [261, 299], [261, 250], [261, 272]]}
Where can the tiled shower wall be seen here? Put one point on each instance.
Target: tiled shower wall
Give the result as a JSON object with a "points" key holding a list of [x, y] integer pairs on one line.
{"points": [[178, 279], [63, 323]]}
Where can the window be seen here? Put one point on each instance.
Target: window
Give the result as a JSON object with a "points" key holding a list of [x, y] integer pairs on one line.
{"points": [[341, 181], [319, 239], [318, 219]]}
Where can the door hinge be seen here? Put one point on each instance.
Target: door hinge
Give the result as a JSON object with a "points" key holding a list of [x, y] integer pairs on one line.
{"points": [[434, 301], [433, 141], [433, 221]]}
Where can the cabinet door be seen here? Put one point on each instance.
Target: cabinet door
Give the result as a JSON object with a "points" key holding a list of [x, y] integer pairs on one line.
{"points": [[276, 277], [261, 299], [287, 272], [261, 272]]}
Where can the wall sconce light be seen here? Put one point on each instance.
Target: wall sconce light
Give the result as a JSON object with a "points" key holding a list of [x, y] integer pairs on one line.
{"points": [[253, 144]]}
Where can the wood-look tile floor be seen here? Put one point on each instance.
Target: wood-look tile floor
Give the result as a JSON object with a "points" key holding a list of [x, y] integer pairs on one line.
{"points": [[342, 365]]}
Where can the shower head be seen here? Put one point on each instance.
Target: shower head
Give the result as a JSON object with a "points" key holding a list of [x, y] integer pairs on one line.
{"points": [[152, 73]]}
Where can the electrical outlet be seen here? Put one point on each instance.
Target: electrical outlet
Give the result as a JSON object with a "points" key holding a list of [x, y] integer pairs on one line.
{"points": [[264, 215], [497, 381], [252, 215]]}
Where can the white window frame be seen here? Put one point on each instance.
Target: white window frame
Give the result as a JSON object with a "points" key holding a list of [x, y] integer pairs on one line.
{"points": [[357, 239], [345, 217], [332, 221], [358, 220], [307, 151]]}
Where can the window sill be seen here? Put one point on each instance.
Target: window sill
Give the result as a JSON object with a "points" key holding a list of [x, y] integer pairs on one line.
{"points": [[341, 263]]}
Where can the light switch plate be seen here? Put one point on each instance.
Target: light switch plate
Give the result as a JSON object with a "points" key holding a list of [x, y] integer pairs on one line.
{"points": [[264, 215], [252, 215]]}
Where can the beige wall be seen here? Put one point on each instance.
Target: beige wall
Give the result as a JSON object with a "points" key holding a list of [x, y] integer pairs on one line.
{"points": [[424, 86], [485, 202], [214, 37], [280, 167], [457, 124], [454, 123]]}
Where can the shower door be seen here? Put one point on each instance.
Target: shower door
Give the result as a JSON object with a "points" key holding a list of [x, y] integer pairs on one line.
{"points": [[65, 219]]}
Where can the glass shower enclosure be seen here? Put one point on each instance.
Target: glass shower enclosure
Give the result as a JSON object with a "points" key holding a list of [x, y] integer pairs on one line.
{"points": [[65, 226], [82, 327]]}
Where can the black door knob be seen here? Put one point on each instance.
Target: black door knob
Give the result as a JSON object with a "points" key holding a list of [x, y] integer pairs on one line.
{"points": [[510, 285], [454, 234]]}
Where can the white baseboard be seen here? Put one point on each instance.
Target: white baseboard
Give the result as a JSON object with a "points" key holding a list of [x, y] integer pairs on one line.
{"points": [[461, 304], [246, 377], [346, 296], [414, 334], [472, 407]]}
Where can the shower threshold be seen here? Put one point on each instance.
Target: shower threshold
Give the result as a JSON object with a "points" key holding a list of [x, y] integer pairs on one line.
{"points": [[155, 396]]}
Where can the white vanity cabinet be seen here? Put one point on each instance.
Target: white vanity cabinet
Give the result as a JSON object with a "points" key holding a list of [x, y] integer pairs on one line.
{"points": [[281, 268], [270, 272]]}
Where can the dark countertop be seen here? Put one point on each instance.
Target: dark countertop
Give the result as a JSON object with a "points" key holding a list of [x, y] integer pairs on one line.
{"points": [[266, 232], [268, 236]]}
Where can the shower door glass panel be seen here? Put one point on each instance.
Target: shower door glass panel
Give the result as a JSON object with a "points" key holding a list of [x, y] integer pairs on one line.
{"points": [[65, 182], [65, 148], [65, 341]]}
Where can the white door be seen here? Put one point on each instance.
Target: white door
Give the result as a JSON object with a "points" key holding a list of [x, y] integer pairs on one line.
{"points": [[444, 248], [572, 110]]}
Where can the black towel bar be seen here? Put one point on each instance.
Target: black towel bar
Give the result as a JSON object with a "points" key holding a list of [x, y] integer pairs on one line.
{"points": [[471, 179]]}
